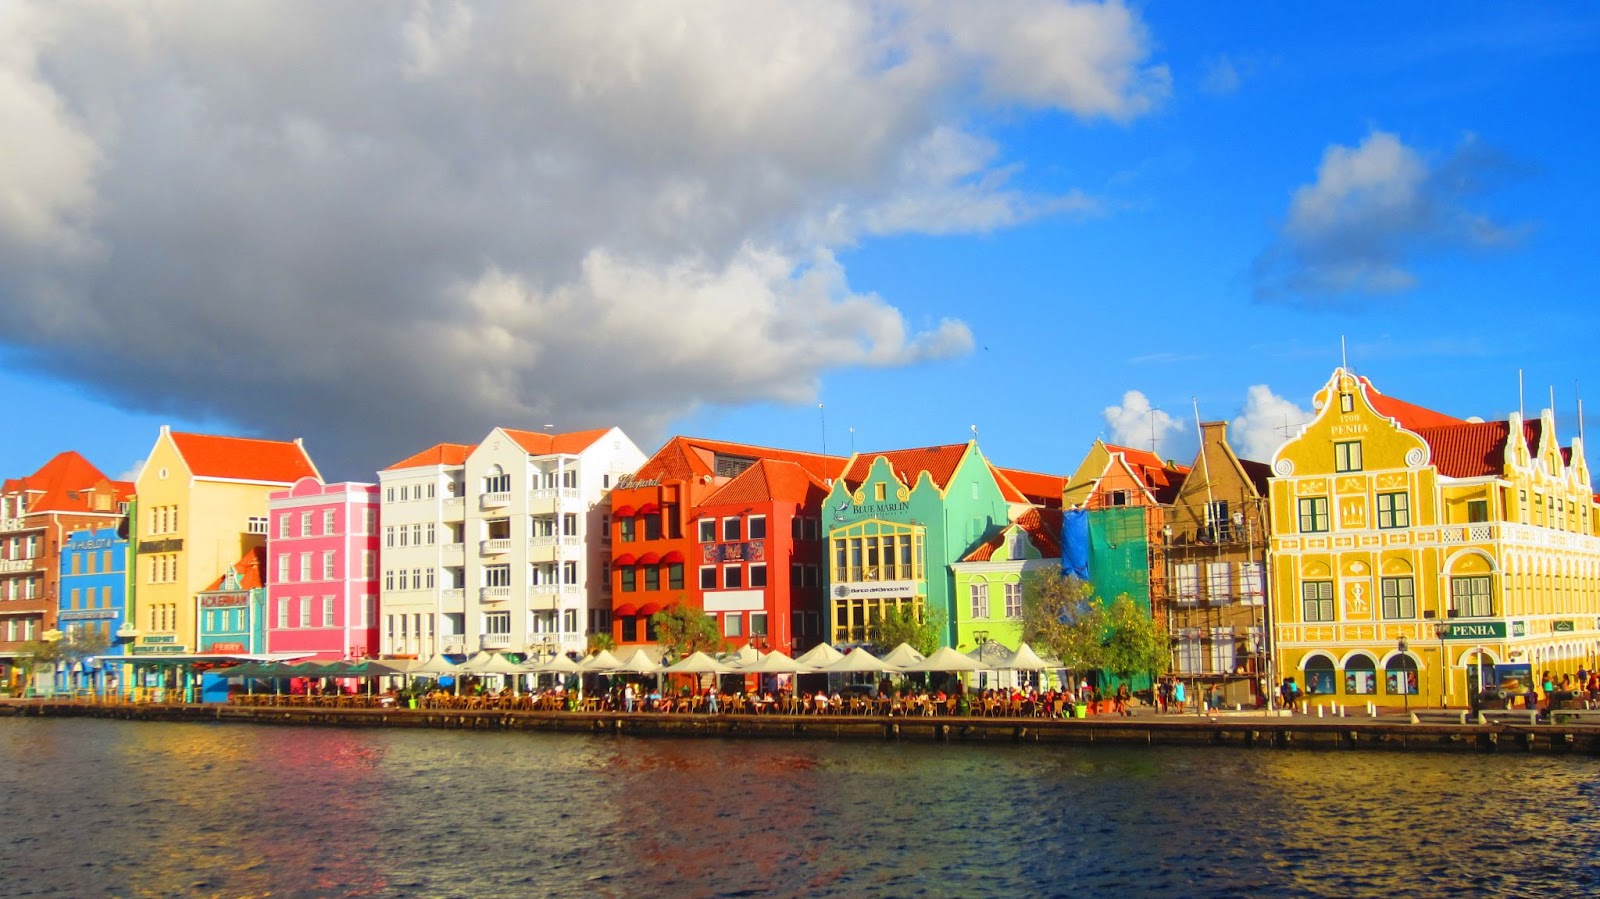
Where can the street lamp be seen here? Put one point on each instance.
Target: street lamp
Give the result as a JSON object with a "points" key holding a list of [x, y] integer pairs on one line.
{"points": [[1405, 681], [1440, 629]]}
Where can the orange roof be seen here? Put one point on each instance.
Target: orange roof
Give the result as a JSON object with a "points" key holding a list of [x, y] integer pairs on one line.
{"points": [[769, 480], [940, 462], [682, 458], [1039, 489], [1474, 449], [1043, 527], [541, 444], [244, 458], [1410, 416], [1156, 474], [68, 483], [249, 570], [438, 454]]}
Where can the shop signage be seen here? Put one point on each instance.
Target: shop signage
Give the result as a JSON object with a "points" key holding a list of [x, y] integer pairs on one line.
{"points": [[1477, 630], [102, 543], [88, 614], [156, 645], [882, 508], [876, 588], [1519, 628], [160, 638], [628, 482], [1563, 627], [224, 601], [225, 647], [169, 545], [749, 551]]}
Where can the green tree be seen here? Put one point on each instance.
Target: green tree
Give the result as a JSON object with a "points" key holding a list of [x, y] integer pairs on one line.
{"points": [[902, 624], [600, 641], [74, 646], [1135, 642], [683, 629], [1063, 615]]}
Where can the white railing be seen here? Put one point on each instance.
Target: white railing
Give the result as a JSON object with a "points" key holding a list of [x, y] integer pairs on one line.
{"points": [[554, 493], [494, 547], [458, 648], [555, 540], [1467, 533], [495, 641], [494, 594], [494, 500], [455, 550], [457, 594]]}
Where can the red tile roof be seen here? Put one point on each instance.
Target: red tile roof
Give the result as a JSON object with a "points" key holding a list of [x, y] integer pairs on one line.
{"points": [[69, 483], [1474, 449], [1150, 468], [1039, 489], [1410, 416], [244, 458], [250, 570], [542, 444], [770, 480], [438, 454], [1043, 526], [940, 462], [682, 458]]}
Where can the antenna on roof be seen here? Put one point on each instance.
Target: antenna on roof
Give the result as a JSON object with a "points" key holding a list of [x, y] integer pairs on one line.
{"points": [[1344, 357], [852, 440], [1520, 412], [974, 432], [1579, 394], [822, 419]]}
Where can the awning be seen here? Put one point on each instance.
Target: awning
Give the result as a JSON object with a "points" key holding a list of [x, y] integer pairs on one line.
{"points": [[627, 611], [622, 512], [624, 559], [649, 509], [648, 609], [650, 559], [673, 556]]}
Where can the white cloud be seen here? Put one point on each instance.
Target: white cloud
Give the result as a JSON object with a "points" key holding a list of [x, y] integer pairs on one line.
{"points": [[1136, 423], [1372, 209], [133, 471], [385, 226], [1266, 423], [1220, 77]]}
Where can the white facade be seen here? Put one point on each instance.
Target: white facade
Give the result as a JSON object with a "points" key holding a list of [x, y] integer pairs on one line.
{"points": [[506, 551]]}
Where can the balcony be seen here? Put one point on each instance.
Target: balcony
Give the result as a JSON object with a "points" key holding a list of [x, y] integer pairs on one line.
{"points": [[454, 552], [454, 508], [494, 547], [453, 646], [494, 501], [494, 594], [495, 641], [456, 595], [554, 540]]}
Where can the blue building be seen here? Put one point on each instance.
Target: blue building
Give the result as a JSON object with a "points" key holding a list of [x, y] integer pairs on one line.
{"points": [[232, 611], [93, 604]]}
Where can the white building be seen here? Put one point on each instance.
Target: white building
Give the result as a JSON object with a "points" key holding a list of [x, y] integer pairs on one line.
{"points": [[501, 546]]}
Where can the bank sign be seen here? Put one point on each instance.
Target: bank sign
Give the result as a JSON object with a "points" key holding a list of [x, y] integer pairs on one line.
{"points": [[1477, 630]]}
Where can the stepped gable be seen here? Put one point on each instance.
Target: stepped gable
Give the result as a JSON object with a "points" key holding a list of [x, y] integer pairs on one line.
{"points": [[244, 458], [438, 454], [249, 568], [1476, 449], [682, 458], [541, 444], [940, 462], [769, 480], [1043, 527]]}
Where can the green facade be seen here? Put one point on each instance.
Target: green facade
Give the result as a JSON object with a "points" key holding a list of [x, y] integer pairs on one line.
{"points": [[1001, 569]]}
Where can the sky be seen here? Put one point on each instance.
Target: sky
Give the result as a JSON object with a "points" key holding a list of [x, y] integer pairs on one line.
{"points": [[832, 225]]}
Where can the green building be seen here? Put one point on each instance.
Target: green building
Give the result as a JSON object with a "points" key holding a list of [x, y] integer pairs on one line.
{"points": [[992, 580]]}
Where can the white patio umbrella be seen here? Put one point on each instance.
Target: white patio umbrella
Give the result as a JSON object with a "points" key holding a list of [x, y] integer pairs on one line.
{"points": [[858, 660], [820, 655], [1025, 659], [557, 664], [436, 666], [489, 663], [947, 659], [699, 663], [744, 655], [776, 662], [902, 656], [639, 662], [602, 662]]}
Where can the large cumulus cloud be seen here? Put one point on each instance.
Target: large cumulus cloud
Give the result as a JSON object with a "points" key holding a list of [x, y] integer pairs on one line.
{"points": [[382, 225]]}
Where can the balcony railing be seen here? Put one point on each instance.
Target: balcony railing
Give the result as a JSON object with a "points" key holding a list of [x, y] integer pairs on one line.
{"points": [[494, 500], [495, 547], [456, 594], [554, 493], [495, 641], [554, 540], [494, 594]]}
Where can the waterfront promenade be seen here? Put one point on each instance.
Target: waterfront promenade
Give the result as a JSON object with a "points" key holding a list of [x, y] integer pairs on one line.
{"points": [[1435, 730]]}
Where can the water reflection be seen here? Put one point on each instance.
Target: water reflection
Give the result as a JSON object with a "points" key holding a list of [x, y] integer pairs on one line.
{"points": [[119, 808]]}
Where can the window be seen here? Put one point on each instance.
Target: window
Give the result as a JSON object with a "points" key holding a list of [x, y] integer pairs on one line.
{"points": [[652, 577], [733, 577], [1219, 527], [1399, 597], [1470, 597], [569, 524], [1347, 402], [1316, 601], [1186, 581], [327, 521], [569, 572], [733, 625], [283, 526], [1360, 675], [329, 568], [388, 495], [305, 566], [1117, 498], [388, 536], [758, 624], [405, 493], [433, 536], [305, 524], [1250, 582], [416, 535], [652, 527], [625, 530], [675, 576], [1223, 658], [1014, 600], [1347, 456], [256, 525], [283, 614], [1313, 514], [327, 611], [569, 478], [758, 575], [1477, 510], [708, 578], [1188, 651], [283, 569], [495, 480], [978, 594], [731, 529], [758, 527], [1219, 583], [1394, 510], [497, 576], [629, 584], [388, 580], [497, 623], [880, 492], [305, 611], [605, 482]]}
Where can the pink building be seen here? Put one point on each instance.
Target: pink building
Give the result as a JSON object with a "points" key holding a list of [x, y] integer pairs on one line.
{"points": [[322, 570]]}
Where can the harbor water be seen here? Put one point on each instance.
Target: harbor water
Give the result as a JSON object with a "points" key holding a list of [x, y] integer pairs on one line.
{"points": [[109, 808]]}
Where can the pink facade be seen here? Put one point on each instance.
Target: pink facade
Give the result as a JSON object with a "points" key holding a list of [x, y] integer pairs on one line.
{"points": [[322, 570]]}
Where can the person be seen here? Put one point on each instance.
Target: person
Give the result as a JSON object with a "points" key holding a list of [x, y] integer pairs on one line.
{"points": [[1179, 695], [1163, 695], [1214, 698], [1123, 695], [627, 698], [711, 698]]}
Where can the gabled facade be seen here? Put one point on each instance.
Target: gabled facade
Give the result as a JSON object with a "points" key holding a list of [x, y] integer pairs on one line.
{"points": [[422, 555], [322, 557], [202, 505], [991, 581], [1475, 542], [231, 611], [38, 515], [1215, 541], [896, 521], [1115, 517], [658, 559]]}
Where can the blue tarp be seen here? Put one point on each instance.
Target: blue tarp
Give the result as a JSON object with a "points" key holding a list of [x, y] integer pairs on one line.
{"points": [[1075, 544]]}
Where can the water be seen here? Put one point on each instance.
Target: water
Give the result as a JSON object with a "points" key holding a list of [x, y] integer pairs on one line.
{"points": [[102, 808]]}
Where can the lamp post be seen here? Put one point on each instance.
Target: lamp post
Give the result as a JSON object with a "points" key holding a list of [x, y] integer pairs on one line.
{"points": [[1440, 628], [1405, 681]]}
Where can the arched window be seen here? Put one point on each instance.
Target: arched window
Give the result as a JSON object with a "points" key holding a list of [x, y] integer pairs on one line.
{"points": [[1319, 675], [1400, 677], [1360, 675], [496, 480]]}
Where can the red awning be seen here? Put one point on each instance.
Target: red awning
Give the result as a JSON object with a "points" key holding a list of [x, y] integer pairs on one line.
{"points": [[649, 559], [649, 509], [622, 512], [624, 559], [648, 609], [627, 611], [673, 556]]}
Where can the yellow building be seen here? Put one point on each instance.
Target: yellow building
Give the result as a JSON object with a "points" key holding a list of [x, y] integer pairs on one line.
{"points": [[201, 506], [1473, 542]]}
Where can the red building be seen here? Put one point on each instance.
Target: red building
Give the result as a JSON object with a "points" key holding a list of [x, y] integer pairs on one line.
{"points": [[734, 491], [37, 515]]}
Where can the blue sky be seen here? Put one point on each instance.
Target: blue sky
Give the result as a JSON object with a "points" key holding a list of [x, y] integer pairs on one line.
{"points": [[991, 238]]}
